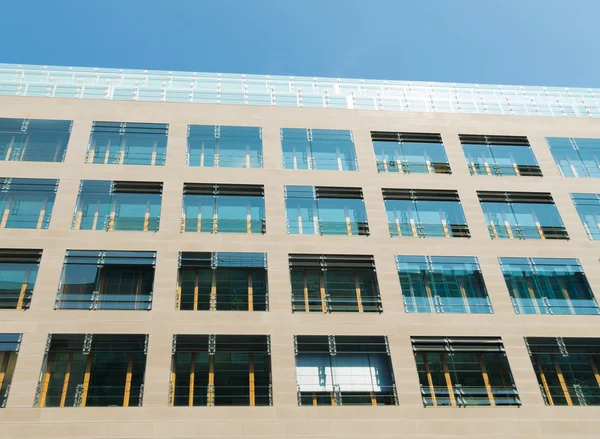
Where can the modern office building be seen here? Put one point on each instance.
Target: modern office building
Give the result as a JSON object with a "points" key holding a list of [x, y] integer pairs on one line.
{"points": [[212, 255]]}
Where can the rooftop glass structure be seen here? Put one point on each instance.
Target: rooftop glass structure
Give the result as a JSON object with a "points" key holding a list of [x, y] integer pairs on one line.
{"points": [[295, 91]]}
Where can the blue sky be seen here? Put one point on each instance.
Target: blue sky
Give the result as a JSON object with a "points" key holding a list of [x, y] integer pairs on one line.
{"points": [[529, 42]]}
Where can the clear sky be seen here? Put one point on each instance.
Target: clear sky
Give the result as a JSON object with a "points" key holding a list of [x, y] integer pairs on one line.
{"points": [[529, 42]]}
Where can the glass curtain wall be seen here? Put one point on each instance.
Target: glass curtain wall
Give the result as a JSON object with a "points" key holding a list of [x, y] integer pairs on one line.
{"points": [[26, 203], [521, 215], [410, 153], [339, 370], [128, 143], [588, 208], [334, 283], [566, 369], [223, 208], [324, 210], [118, 205], [18, 273], [305, 148], [442, 284], [222, 282], [116, 280], [425, 213], [34, 140], [221, 370], [499, 155], [9, 350], [548, 286], [576, 157], [224, 146], [92, 370], [462, 372]]}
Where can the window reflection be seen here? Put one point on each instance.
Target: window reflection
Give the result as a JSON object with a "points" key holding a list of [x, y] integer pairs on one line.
{"points": [[576, 157], [323, 210], [318, 149], [548, 286], [128, 143], [425, 213], [442, 284], [521, 215], [499, 155], [224, 146], [34, 140], [410, 153]]}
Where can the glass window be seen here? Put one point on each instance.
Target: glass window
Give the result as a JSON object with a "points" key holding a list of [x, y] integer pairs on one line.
{"points": [[221, 370], [18, 272], [566, 369], [548, 286], [588, 207], [107, 280], [425, 213], [222, 281], [9, 348], [334, 283], [34, 140], [464, 372], [344, 370], [318, 149], [442, 284], [410, 153], [576, 157], [224, 146], [27, 203], [223, 208], [521, 215], [128, 143], [93, 370], [118, 205], [499, 155], [322, 210]]}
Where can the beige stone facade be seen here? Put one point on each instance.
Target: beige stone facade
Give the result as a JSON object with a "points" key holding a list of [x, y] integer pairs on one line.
{"points": [[285, 419]]}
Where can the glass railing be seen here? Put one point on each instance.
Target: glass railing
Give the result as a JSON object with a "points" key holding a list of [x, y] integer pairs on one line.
{"points": [[580, 394], [469, 396], [593, 233], [346, 303], [41, 154], [447, 305], [385, 396], [4, 395], [207, 395], [296, 91], [131, 223], [11, 299], [126, 158], [429, 230], [129, 302], [27, 221], [555, 306], [343, 228], [502, 231], [318, 163], [304, 227], [221, 225], [226, 300], [512, 170], [107, 396], [412, 167], [240, 160]]}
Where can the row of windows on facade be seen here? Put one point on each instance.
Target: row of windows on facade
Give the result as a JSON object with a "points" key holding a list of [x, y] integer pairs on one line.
{"points": [[102, 370], [27, 203], [302, 148], [124, 280]]}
